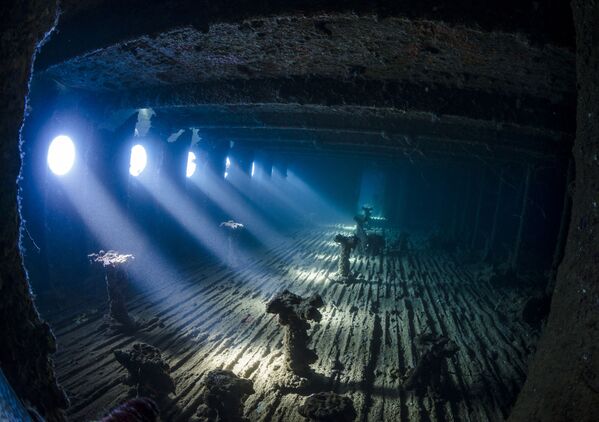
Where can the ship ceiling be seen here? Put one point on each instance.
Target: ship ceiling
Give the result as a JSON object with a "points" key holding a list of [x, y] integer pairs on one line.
{"points": [[336, 81]]}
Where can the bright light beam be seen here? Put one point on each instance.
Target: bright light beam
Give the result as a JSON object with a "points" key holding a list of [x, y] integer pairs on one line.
{"points": [[227, 167], [274, 200], [112, 229], [191, 164], [138, 160], [260, 193], [228, 199], [314, 201], [202, 228], [61, 155]]}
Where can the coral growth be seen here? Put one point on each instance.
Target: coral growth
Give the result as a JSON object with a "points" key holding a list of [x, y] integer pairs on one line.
{"points": [[348, 244], [375, 244], [116, 281], [148, 372], [295, 313], [328, 407], [231, 225], [110, 258], [361, 233], [431, 369], [223, 396], [233, 230]]}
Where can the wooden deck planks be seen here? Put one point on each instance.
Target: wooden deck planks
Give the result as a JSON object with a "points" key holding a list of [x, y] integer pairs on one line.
{"points": [[214, 317]]}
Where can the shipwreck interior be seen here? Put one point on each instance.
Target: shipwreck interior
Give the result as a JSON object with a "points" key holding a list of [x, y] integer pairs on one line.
{"points": [[300, 211]]}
